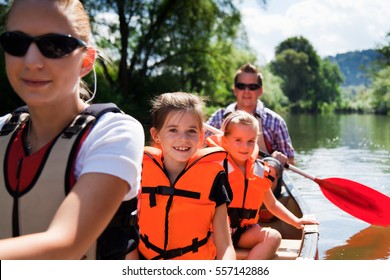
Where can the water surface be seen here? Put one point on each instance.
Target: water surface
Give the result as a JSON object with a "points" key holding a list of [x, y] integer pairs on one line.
{"points": [[355, 147]]}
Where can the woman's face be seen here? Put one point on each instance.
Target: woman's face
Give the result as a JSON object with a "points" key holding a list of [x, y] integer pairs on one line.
{"points": [[240, 142], [38, 80]]}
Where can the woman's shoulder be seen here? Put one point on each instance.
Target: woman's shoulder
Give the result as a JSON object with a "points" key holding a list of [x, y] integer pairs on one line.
{"points": [[115, 129], [3, 119], [118, 121]]}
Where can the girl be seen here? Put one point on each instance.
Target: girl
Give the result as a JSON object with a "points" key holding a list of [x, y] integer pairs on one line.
{"points": [[251, 182], [184, 188], [68, 165]]}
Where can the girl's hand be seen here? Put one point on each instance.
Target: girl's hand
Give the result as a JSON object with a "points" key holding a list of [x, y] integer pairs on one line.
{"points": [[306, 221]]}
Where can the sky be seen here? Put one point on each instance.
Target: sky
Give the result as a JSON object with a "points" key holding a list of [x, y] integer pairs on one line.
{"points": [[331, 26]]}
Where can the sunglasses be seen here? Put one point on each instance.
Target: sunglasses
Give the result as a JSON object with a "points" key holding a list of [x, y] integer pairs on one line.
{"points": [[242, 86], [50, 45]]}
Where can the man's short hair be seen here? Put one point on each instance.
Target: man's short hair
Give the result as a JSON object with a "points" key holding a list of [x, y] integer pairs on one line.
{"points": [[249, 68]]}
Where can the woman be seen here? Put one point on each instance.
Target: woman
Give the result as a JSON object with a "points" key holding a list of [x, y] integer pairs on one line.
{"points": [[45, 215]]}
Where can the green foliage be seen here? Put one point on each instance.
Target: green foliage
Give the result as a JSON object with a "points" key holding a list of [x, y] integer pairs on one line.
{"points": [[168, 45], [292, 67], [330, 79], [381, 91], [310, 83], [273, 96], [355, 99], [385, 51]]}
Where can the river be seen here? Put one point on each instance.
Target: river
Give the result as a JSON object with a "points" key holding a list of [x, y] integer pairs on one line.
{"points": [[355, 147]]}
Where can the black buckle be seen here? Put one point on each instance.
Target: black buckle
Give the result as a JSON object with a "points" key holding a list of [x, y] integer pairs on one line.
{"points": [[164, 190], [173, 254], [195, 245]]}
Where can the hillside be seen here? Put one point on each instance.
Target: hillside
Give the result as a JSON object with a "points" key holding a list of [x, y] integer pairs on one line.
{"points": [[354, 64]]}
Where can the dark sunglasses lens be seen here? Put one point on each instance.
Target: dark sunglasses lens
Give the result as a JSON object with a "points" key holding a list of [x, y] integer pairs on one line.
{"points": [[15, 44], [253, 86], [51, 46], [56, 46], [242, 86]]}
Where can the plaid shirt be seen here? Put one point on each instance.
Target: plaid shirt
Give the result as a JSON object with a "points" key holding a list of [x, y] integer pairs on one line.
{"points": [[274, 127]]}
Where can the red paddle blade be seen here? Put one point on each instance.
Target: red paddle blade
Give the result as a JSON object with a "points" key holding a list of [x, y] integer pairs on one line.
{"points": [[358, 200]]}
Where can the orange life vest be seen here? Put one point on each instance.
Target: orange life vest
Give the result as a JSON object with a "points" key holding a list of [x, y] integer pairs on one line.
{"points": [[249, 190], [175, 219]]}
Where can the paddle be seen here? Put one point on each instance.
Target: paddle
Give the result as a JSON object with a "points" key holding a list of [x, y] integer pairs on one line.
{"points": [[354, 198]]}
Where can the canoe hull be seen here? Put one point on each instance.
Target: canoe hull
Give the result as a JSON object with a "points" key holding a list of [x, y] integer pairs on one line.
{"points": [[296, 243]]}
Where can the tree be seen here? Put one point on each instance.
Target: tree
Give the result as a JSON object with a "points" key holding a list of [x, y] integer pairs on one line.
{"points": [[298, 64], [381, 91], [293, 68], [330, 80], [307, 80], [385, 51], [165, 44]]}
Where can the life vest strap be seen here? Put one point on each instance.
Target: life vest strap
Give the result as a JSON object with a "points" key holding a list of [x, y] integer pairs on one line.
{"points": [[237, 214], [169, 191], [14, 121], [79, 123], [271, 178], [173, 253]]}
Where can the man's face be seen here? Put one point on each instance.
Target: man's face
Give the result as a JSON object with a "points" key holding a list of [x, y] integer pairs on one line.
{"points": [[247, 97]]}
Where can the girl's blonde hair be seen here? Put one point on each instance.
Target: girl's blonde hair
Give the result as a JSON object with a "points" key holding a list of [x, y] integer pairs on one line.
{"points": [[239, 117]]}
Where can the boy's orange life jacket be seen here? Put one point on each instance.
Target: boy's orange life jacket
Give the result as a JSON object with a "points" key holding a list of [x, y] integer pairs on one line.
{"points": [[249, 190], [175, 219]]}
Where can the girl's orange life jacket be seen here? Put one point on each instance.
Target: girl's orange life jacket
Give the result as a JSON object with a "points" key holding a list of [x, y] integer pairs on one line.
{"points": [[175, 219], [248, 190]]}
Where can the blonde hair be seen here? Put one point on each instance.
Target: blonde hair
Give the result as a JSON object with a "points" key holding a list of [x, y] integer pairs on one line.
{"points": [[239, 117]]}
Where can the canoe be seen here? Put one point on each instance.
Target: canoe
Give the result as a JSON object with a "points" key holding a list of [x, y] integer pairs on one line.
{"points": [[296, 243]]}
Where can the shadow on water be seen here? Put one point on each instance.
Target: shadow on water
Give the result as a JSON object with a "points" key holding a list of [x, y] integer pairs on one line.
{"points": [[372, 243]]}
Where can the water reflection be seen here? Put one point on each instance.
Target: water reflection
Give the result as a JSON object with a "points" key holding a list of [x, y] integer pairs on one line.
{"points": [[372, 243], [355, 147], [329, 131]]}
